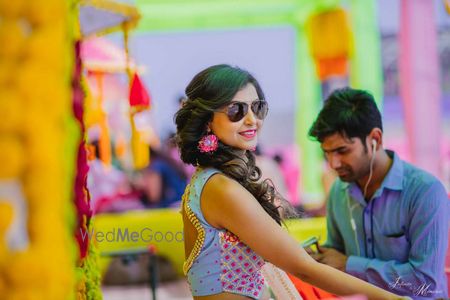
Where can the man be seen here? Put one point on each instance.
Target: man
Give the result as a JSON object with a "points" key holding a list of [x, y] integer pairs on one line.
{"points": [[386, 219]]}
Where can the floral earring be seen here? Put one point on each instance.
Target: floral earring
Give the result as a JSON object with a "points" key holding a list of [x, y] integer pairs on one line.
{"points": [[208, 143]]}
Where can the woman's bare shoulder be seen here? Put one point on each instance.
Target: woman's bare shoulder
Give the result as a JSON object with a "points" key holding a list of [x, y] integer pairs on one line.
{"points": [[221, 186], [221, 195]]}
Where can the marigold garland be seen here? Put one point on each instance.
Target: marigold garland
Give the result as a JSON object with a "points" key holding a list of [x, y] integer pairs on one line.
{"points": [[37, 146]]}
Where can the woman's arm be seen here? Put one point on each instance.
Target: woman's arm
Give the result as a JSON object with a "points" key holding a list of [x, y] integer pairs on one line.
{"points": [[226, 204]]}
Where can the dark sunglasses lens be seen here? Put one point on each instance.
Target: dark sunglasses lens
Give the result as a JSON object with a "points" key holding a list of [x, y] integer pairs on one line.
{"points": [[260, 109], [237, 111]]}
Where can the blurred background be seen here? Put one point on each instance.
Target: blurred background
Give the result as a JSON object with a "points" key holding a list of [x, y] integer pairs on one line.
{"points": [[87, 101]]}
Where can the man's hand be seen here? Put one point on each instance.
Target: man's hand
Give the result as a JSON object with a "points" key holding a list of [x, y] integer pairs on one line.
{"points": [[330, 257]]}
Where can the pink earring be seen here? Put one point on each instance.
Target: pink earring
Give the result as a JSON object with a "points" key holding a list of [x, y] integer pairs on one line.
{"points": [[208, 144]]}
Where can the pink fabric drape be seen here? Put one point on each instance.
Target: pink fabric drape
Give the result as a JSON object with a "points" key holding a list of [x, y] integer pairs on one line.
{"points": [[419, 83]]}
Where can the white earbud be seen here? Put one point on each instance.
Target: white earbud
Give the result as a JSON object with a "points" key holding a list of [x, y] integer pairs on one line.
{"points": [[352, 221], [374, 145], [372, 159]]}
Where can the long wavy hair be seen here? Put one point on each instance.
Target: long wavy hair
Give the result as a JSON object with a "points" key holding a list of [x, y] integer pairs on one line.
{"points": [[209, 90]]}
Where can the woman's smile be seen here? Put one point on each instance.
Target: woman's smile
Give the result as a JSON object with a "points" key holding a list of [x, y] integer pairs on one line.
{"points": [[248, 134]]}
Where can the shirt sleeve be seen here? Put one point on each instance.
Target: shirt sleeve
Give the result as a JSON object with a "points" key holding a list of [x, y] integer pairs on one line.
{"points": [[428, 234], [334, 237]]}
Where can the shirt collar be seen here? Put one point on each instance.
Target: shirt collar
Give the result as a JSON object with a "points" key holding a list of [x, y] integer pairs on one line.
{"points": [[393, 179]]}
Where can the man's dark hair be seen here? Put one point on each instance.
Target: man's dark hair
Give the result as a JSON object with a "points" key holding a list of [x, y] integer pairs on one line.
{"points": [[350, 112]]}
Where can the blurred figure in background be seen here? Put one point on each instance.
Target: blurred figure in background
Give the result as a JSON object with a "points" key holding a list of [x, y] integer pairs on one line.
{"points": [[109, 187], [170, 147], [270, 169], [163, 182]]}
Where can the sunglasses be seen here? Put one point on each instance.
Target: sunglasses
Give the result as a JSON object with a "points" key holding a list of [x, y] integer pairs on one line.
{"points": [[236, 111]]}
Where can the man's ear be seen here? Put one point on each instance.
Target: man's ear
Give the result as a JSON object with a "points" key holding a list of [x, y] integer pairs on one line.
{"points": [[377, 136]]}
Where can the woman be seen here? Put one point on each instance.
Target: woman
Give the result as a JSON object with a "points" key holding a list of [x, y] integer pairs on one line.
{"points": [[231, 221]]}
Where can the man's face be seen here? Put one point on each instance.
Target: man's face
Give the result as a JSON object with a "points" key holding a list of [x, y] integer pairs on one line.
{"points": [[347, 156]]}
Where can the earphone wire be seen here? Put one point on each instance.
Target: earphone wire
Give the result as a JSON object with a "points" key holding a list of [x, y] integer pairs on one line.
{"points": [[350, 209], [372, 159], [353, 223]]}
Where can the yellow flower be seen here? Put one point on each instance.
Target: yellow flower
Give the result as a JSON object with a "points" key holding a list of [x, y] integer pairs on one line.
{"points": [[11, 9], [2, 286], [43, 229], [12, 157], [11, 116], [8, 69], [6, 217], [52, 38], [35, 72], [55, 11], [25, 269], [39, 273], [12, 38]]}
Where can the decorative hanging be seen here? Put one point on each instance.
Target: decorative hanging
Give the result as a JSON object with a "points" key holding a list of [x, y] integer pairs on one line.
{"points": [[104, 141], [95, 17], [330, 42], [102, 59], [98, 17], [139, 97], [139, 101], [447, 5]]}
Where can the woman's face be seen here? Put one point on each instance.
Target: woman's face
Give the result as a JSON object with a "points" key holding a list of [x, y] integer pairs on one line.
{"points": [[242, 134]]}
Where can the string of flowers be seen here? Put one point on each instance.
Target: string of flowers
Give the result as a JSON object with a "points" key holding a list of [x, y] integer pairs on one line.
{"points": [[89, 277]]}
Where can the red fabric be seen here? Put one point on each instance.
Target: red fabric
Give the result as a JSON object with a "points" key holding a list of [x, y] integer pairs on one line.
{"points": [[82, 199], [139, 97], [310, 292]]}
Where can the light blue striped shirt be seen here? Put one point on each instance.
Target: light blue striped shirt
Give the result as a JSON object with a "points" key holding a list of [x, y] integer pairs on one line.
{"points": [[401, 234]]}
